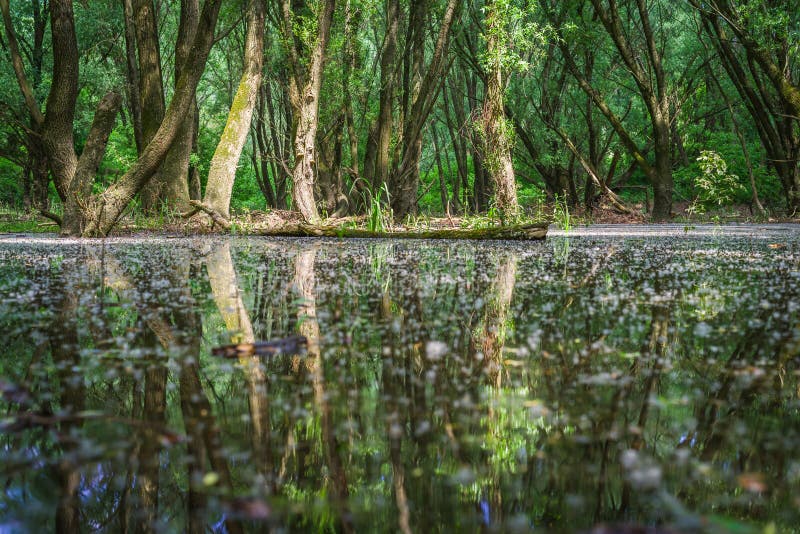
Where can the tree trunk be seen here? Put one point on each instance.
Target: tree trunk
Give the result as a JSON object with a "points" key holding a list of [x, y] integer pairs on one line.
{"points": [[222, 173], [151, 88], [175, 173], [662, 178], [305, 90], [134, 93], [481, 186], [383, 126], [60, 112], [496, 132]]}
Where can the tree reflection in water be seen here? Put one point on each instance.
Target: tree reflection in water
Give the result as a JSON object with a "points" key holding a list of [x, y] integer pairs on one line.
{"points": [[554, 386]]}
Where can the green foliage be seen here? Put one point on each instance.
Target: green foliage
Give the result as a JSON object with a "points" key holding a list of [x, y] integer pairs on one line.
{"points": [[539, 94], [379, 216], [561, 215], [519, 37], [246, 193], [715, 185]]}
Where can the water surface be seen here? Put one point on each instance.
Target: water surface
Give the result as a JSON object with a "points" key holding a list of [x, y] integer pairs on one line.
{"points": [[602, 379]]}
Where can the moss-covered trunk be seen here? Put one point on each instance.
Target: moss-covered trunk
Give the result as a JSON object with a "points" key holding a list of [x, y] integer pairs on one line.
{"points": [[496, 131], [229, 149]]}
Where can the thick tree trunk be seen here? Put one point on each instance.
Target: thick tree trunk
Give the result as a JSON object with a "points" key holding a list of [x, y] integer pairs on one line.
{"points": [[151, 88], [103, 211], [57, 129], [229, 149], [175, 172]]}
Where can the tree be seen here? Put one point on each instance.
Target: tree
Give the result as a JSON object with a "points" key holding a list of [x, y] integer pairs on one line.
{"points": [[305, 84], [226, 157], [421, 88], [95, 214], [497, 132], [765, 75], [645, 65]]}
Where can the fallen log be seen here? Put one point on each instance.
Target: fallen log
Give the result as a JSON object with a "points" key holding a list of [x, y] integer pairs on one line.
{"points": [[288, 345], [514, 232]]}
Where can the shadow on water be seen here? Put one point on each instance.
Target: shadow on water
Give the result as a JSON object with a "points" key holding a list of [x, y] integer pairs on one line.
{"points": [[584, 383]]}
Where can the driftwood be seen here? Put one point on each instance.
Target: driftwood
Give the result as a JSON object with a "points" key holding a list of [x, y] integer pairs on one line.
{"points": [[515, 232], [288, 345]]}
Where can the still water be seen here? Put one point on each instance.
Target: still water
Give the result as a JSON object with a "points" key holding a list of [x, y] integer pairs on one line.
{"points": [[602, 380]]}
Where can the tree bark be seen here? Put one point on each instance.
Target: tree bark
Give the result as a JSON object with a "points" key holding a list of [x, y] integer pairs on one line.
{"points": [[222, 173], [496, 130], [60, 112], [134, 93], [151, 88], [383, 127], [175, 172], [304, 89]]}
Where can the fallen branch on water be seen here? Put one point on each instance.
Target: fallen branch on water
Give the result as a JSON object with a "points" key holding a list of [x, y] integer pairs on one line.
{"points": [[514, 232]]}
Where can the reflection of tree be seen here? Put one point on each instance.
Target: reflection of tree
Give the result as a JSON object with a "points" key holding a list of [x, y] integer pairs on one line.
{"points": [[227, 296], [64, 348], [177, 328], [491, 336], [313, 367]]}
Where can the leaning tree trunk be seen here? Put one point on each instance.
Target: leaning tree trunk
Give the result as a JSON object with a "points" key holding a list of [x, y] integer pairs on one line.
{"points": [[226, 157], [496, 130]]}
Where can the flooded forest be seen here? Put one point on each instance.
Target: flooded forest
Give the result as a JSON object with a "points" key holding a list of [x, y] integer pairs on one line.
{"points": [[385, 266], [597, 382]]}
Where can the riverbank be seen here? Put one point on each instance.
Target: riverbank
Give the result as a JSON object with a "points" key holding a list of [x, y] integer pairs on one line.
{"points": [[273, 222]]}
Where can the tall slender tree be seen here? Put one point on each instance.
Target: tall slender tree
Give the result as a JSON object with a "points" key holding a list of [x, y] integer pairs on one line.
{"points": [[229, 150]]}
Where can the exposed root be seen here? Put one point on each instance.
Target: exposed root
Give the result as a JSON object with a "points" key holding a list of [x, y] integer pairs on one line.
{"points": [[216, 218], [52, 216]]}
